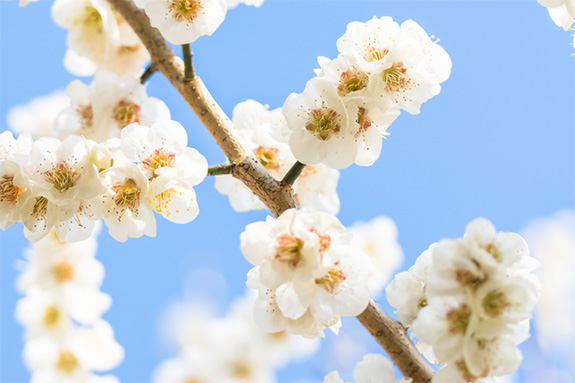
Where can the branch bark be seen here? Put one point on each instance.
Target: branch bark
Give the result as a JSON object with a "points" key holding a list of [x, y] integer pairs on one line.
{"points": [[392, 336], [276, 195]]}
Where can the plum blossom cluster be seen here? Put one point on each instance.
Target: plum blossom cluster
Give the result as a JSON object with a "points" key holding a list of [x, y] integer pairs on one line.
{"points": [[470, 299], [229, 349], [66, 339], [343, 113], [373, 368], [183, 21], [108, 166], [98, 39], [306, 273], [259, 128]]}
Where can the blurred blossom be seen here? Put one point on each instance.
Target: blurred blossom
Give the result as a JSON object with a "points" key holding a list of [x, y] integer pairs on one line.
{"points": [[552, 241]]}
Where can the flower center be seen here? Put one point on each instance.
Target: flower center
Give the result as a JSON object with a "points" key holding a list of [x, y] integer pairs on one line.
{"points": [[494, 251], [322, 123], [91, 20], [127, 195], [9, 192], [160, 158], [362, 120], [495, 303], [40, 208], [458, 319], [289, 249], [63, 271], [62, 176], [469, 278], [51, 316], [395, 78], [67, 362], [185, 9], [241, 370], [351, 81], [374, 54], [86, 116], [126, 112], [332, 279], [268, 157]]}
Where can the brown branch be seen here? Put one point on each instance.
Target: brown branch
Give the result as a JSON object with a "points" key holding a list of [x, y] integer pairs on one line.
{"points": [[276, 195], [392, 336]]}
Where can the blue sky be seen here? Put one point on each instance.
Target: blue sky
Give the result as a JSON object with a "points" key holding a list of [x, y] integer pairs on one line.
{"points": [[496, 142]]}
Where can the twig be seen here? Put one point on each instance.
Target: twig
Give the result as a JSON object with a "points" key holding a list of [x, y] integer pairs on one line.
{"points": [[188, 63], [150, 70], [218, 170], [293, 173]]}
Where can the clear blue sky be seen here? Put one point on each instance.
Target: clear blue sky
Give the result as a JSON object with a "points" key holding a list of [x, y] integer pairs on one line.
{"points": [[498, 141]]}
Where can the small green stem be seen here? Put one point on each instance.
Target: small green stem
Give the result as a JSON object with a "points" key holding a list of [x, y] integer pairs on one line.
{"points": [[293, 173], [188, 64], [218, 170], [150, 70]]}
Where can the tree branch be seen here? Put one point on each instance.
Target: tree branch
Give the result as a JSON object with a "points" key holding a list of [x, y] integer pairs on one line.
{"points": [[277, 196], [392, 336]]}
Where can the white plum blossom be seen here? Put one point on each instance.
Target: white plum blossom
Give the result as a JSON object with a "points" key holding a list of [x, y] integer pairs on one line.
{"points": [[37, 117], [14, 192], [378, 239], [306, 273], [17, 149], [183, 21], [320, 125], [374, 368], [473, 302], [101, 110], [123, 206], [562, 12], [98, 34], [61, 174], [408, 65], [407, 290], [172, 168], [73, 359], [259, 128]]}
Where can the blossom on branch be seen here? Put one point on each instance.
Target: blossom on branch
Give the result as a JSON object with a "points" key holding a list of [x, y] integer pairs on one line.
{"points": [[259, 128], [343, 113], [183, 21], [306, 272], [472, 304]]}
